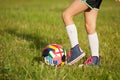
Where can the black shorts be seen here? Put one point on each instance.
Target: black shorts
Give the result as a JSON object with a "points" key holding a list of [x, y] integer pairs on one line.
{"points": [[93, 4]]}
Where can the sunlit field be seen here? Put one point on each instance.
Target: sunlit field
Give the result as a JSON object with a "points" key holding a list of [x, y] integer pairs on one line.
{"points": [[27, 26]]}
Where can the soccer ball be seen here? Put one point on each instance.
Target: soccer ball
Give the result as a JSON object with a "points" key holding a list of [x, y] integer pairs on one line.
{"points": [[54, 55]]}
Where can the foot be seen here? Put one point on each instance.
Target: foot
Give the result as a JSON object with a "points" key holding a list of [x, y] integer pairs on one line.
{"points": [[75, 55], [92, 60]]}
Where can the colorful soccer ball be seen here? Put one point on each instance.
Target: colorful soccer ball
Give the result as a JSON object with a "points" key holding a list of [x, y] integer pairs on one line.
{"points": [[54, 55]]}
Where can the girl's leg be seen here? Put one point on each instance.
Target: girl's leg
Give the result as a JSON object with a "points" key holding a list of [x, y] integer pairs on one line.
{"points": [[90, 24], [75, 8], [90, 20]]}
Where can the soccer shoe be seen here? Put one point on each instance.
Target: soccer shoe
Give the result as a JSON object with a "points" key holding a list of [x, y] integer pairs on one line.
{"points": [[92, 60], [74, 55]]}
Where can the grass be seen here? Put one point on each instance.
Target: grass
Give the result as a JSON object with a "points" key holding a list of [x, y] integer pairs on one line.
{"points": [[27, 26]]}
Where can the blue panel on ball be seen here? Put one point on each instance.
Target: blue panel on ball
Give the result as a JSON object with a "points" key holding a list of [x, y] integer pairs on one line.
{"points": [[49, 60], [55, 62]]}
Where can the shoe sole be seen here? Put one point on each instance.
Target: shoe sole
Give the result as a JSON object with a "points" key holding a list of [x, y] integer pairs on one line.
{"points": [[77, 59]]}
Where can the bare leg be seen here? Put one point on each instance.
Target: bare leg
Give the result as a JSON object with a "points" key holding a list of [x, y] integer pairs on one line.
{"points": [[90, 20], [75, 8]]}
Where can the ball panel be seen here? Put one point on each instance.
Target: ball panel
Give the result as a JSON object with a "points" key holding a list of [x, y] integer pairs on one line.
{"points": [[51, 54], [54, 54], [48, 60], [46, 51]]}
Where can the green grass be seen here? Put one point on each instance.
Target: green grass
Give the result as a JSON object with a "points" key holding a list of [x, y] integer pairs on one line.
{"points": [[27, 26]]}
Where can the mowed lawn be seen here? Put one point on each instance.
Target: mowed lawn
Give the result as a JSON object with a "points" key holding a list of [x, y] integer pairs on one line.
{"points": [[27, 26]]}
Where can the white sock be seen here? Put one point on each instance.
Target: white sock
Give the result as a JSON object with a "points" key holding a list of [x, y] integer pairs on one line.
{"points": [[72, 33], [94, 44]]}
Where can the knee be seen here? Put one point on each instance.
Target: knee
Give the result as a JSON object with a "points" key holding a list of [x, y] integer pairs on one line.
{"points": [[66, 16], [90, 28]]}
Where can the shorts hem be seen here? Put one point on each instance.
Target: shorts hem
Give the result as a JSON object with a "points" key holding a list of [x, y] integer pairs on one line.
{"points": [[84, 1]]}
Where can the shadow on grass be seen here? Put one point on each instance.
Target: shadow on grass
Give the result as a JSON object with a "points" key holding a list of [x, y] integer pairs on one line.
{"points": [[38, 41], [38, 59]]}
